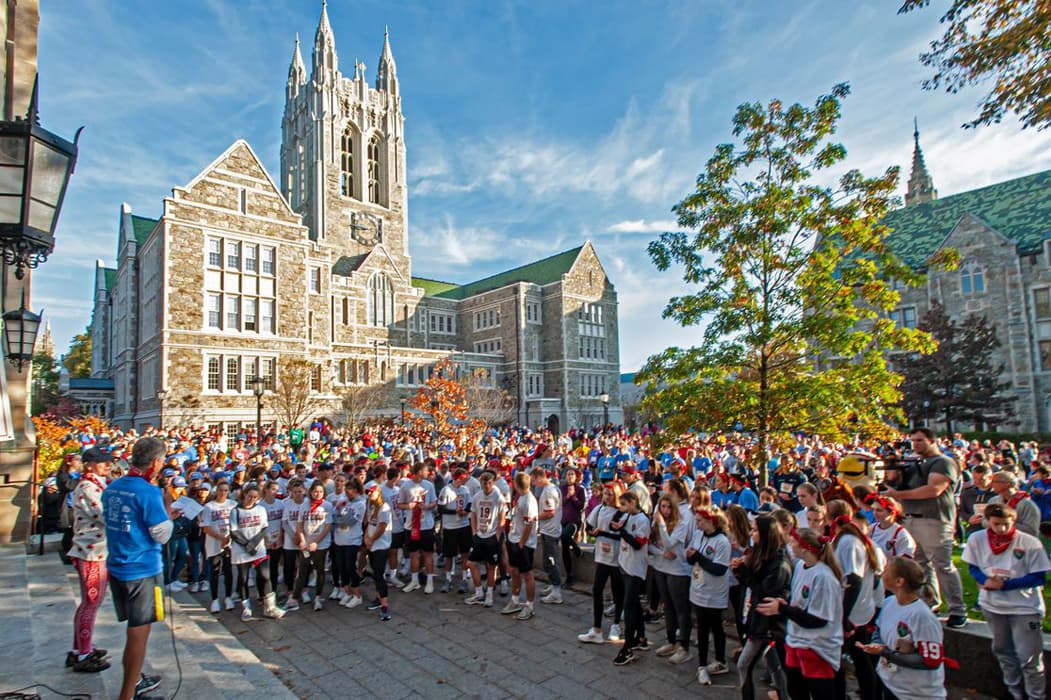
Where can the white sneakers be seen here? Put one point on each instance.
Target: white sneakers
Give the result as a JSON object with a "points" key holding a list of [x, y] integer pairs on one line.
{"points": [[614, 633], [351, 601], [214, 607], [702, 677], [246, 612], [525, 613], [553, 598], [176, 586], [429, 588], [230, 605], [306, 596], [666, 649], [513, 606], [477, 599], [592, 636], [412, 585], [716, 668], [291, 605], [681, 655], [336, 594], [318, 604]]}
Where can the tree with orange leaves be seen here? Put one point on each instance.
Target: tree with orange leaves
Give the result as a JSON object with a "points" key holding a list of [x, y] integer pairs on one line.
{"points": [[442, 409], [55, 438]]}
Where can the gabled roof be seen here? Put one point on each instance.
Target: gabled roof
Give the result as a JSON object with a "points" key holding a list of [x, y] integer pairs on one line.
{"points": [[348, 264], [142, 227], [540, 272], [111, 278], [1018, 209]]}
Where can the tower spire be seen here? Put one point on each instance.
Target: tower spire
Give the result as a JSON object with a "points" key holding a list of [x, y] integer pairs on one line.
{"points": [[324, 43], [386, 77], [921, 184]]}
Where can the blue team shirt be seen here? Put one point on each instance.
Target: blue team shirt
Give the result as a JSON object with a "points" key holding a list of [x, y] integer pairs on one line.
{"points": [[131, 506]]}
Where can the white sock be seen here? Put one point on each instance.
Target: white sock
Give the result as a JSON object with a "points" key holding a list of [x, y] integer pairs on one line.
{"points": [[430, 578]]}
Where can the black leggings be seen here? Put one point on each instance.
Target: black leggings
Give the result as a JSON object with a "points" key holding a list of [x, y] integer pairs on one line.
{"points": [[569, 546], [737, 604], [345, 565], [274, 564], [802, 688], [604, 572], [675, 592], [289, 559], [378, 563], [262, 580], [221, 561], [864, 670], [311, 561], [634, 626], [774, 654], [710, 622]]}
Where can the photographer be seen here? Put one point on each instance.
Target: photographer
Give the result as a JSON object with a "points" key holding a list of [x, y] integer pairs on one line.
{"points": [[926, 492]]}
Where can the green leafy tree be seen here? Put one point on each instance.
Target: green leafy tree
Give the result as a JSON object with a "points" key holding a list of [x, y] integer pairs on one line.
{"points": [[45, 382], [1002, 42], [959, 381], [78, 358], [791, 284]]}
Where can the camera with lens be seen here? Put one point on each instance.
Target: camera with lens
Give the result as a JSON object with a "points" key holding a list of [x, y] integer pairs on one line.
{"points": [[901, 469]]}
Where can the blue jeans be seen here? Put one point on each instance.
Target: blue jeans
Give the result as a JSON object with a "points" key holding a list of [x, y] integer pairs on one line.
{"points": [[198, 572], [175, 554]]}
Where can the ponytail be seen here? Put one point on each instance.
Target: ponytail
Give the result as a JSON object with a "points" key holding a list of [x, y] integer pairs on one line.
{"points": [[842, 520]]}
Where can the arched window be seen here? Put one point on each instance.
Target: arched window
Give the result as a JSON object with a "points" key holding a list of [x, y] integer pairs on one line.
{"points": [[380, 301], [346, 178], [374, 169], [972, 279]]}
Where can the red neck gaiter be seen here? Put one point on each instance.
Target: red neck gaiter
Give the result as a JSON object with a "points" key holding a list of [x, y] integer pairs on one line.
{"points": [[1000, 543]]}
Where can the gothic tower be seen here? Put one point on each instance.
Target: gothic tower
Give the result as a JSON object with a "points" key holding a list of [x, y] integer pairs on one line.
{"points": [[343, 151], [921, 184]]}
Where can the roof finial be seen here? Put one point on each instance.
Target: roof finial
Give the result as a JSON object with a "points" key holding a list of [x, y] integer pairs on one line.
{"points": [[921, 184]]}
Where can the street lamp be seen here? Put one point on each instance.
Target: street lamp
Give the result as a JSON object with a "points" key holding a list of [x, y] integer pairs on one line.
{"points": [[258, 385], [20, 330], [403, 413], [604, 398], [35, 166], [161, 395]]}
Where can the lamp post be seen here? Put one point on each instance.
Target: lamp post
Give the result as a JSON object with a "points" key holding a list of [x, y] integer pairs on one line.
{"points": [[604, 398], [20, 331], [162, 394], [258, 385], [403, 413], [35, 166]]}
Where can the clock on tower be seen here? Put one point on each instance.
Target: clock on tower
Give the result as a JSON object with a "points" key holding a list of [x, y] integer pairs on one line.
{"points": [[366, 230]]}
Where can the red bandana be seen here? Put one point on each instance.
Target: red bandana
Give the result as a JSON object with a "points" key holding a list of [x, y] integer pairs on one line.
{"points": [[1000, 543], [1017, 498], [315, 504], [813, 549]]}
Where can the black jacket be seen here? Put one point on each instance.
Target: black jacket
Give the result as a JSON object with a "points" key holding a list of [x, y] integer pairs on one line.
{"points": [[773, 580]]}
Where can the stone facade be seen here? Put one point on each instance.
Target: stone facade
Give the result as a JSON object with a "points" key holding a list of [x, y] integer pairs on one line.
{"points": [[1004, 274], [241, 273]]}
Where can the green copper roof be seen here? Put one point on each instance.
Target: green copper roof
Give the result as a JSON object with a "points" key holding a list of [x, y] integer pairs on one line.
{"points": [[1018, 209], [540, 272], [111, 278], [142, 227]]}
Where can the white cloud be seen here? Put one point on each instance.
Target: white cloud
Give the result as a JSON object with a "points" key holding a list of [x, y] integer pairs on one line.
{"points": [[644, 226]]}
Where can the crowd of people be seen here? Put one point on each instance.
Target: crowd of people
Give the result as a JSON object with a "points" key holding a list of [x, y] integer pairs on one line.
{"points": [[816, 570]]}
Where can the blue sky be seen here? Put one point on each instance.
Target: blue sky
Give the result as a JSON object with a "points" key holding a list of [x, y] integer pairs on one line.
{"points": [[530, 126]]}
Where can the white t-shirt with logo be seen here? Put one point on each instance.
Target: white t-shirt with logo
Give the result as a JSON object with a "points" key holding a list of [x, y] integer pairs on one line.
{"points": [[526, 512], [352, 513], [893, 541], [456, 498], [314, 521], [816, 590], [290, 521], [217, 517], [706, 589], [551, 500], [606, 548], [916, 624], [421, 494], [392, 496], [274, 514], [1025, 555], [383, 515], [675, 542], [634, 562], [249, 523], [487, 509], [853, 559]]}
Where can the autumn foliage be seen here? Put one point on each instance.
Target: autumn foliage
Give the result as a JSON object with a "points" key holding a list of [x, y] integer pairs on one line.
{"points": [[442, 409], [55, 438]]}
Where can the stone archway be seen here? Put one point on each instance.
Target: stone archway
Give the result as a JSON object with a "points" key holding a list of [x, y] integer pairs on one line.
{"points": [[552, 423]]}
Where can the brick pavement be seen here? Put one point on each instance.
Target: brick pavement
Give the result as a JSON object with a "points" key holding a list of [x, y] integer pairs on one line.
{"points": [[437, 647]]}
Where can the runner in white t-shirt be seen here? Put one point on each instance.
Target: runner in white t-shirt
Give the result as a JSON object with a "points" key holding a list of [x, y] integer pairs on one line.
{"points": [[215, 522], [607, 568], [889, 534], [521, 545], [454, 505], [488, 513], [314, 538], [377, 540], [275, 510], [634, 531], [1011, 567], [248, 533], [709, 553]]}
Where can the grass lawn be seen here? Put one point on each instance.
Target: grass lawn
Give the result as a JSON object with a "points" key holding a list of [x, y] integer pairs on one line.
{"points": [[970, 591]]}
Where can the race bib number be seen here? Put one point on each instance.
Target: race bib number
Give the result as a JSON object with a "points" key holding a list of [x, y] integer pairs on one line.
{"points": [[606, 548]]}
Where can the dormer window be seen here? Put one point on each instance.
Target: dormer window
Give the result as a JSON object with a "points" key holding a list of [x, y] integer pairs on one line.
{"points": [[972, 280]]}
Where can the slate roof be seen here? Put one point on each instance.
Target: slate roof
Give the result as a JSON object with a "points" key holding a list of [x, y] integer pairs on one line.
{"points": [[540, 272], [1018, 209], [111, 278], [348, 264], [142, 227], [90, 383]]}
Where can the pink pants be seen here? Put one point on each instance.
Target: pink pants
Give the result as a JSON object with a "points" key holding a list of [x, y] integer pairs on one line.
{"points": [[94, 579]]}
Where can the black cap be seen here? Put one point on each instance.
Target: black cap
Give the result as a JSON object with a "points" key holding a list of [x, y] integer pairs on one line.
{"points": [[95, 456]]}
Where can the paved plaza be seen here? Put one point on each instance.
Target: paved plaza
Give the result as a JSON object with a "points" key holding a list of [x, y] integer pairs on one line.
{"points": [[437, 647]]}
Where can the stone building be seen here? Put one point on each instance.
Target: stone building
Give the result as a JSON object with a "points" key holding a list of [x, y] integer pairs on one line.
{"points": [[240, 273], [1002, 234]]}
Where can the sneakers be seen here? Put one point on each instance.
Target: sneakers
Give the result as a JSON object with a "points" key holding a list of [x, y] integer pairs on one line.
{"points": [[547, 590], [624, 657], [666, 649], [592, 636], [489, 598], [384, 617], [681, 655], [411, 586], [246, 612], [351, 601], [319, 604], [702, 676], [194, 587], [176, 586], [476, 599], [146, 684], [610, 609], [614, 633], [230, 603], [291, 605], [717, 668], [463, 587], [642, 645], [526, 612], [72, 657], [395, 581], [956, 621], [215, 607], [90, 664], [336, 594], [552, 598], [429, 588], [512, 607], [447, 586], [306, 595], [374, 605], [204, 587]]}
